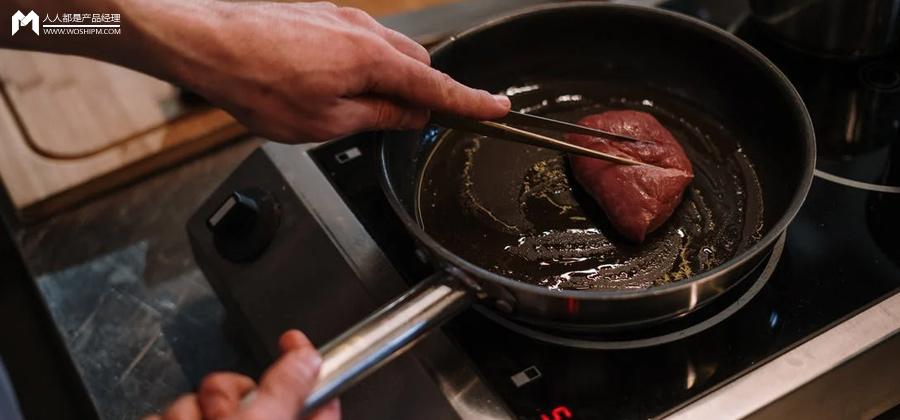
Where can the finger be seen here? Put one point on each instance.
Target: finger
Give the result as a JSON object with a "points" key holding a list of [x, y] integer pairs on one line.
{"points": [[284, 387], [406, 45], [372, 113], [184, 408], [220, 393], [330, 411], [293, 340], [421, 85]]}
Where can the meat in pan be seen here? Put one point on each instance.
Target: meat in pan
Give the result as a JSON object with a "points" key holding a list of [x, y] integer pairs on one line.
{"points": [[636, 199]]}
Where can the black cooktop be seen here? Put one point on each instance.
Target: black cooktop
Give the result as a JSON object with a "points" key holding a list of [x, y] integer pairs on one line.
{"points": [[840, 256]]}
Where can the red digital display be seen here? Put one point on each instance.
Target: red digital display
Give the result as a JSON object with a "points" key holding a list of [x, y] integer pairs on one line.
{"points": [[558, 413]]}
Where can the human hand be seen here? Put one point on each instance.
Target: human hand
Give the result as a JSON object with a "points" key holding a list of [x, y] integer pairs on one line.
{"points": [[314, 71], [280, 394]]}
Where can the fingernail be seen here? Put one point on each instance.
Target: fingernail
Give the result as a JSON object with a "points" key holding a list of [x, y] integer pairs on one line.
{"points": [[311, 358], [502, 100], [305, 361]]}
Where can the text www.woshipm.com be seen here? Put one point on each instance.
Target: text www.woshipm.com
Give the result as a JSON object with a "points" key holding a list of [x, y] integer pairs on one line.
{"points": [[82, 31]]}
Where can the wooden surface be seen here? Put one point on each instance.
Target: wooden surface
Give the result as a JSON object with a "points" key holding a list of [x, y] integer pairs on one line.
{"points": [[71, 127], [57, 96]]}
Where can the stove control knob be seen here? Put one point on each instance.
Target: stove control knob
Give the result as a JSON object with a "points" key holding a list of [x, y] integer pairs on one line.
{"points": [[244, 224]]}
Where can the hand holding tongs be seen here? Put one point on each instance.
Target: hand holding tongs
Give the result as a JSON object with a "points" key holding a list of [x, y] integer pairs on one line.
{"points": [[502, 129]]}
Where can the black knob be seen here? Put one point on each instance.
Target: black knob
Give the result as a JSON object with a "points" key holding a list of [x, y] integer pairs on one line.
{"points": [[244, 224]]}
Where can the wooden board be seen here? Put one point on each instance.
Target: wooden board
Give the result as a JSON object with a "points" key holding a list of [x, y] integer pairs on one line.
{"points": [[56, 96], [70, 127]]}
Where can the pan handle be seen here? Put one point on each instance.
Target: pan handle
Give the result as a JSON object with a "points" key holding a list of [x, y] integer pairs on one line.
{"points": [[386, 334]]}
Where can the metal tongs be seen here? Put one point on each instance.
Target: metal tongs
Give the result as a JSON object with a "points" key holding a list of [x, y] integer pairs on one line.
{"points": [[503, 129]]}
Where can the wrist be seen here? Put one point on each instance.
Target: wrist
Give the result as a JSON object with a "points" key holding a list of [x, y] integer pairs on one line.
{"points": [[169, 39]]}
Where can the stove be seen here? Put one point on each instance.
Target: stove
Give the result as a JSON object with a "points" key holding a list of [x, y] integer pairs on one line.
{"points": [[792, 339]]}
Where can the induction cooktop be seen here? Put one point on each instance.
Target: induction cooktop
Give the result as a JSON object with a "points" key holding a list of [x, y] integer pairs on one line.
{"points": [[340, 252]]}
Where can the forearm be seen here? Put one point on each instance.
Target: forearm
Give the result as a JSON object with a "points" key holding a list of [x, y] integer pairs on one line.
{"points": [[292, 72], [158, 37]]}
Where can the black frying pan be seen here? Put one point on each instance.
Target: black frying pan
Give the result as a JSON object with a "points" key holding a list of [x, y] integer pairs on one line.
{"points": [[508, 227]]}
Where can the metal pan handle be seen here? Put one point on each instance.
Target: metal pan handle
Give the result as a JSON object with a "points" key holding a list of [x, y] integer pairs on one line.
{"points": [[386, 334]]}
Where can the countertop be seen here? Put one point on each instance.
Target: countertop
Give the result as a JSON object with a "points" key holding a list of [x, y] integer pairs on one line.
{"points": [[135, 313]]}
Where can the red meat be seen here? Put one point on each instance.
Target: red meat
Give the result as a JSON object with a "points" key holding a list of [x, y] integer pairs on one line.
{"points": [[636, 199]]}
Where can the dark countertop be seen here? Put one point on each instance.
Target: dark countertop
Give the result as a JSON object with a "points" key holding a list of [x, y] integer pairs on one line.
{"points": [[135, 313]]}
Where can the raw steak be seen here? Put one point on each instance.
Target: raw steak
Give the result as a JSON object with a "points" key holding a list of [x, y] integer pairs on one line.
{"points": [[637, 199]]}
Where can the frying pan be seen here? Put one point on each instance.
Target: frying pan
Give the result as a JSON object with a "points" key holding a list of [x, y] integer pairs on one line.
{"points": [[577, 56]]}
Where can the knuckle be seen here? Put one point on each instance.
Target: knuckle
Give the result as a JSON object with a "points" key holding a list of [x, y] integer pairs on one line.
{"points": [[445, 84], [419, 119], [213, 382], [412, 119], [442, 78], [370, 71], [382, 114], [425, 56], [354, 14], [369, 49], [379, 60]]}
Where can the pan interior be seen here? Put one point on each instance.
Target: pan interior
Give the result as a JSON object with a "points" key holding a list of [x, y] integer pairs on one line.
{"points": [[516, 210]]}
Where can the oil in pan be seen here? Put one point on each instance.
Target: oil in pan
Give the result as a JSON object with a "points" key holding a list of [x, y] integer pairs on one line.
{"points": [[515, 210]]}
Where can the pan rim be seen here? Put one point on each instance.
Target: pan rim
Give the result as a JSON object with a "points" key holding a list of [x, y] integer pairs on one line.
{"points": [[800, 112]]}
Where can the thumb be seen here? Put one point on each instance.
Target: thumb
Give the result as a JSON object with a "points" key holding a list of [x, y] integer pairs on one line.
{"points": [[363, 113], [285, 385]]}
